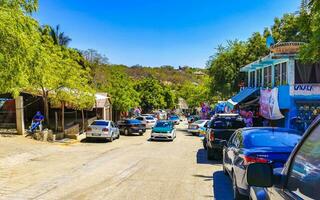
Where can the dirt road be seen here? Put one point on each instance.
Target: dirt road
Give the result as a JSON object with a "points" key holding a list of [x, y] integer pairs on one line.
{"points": [[129, 168]]}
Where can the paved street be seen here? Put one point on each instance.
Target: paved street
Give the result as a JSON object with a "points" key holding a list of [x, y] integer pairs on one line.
{"points": [[129, 168]]}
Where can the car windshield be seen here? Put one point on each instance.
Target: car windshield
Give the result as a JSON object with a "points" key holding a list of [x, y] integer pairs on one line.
{"points": [[149, 118], [227, 123], [133, 121], [267, 138], [163, 124], [199, 122], [100, 123]]}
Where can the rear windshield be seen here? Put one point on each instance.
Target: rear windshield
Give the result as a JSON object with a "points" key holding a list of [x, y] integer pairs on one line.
{"points": [[100, 123], [133, 121], [163, 124], [149, 118], [266, 138], [227, 123]]}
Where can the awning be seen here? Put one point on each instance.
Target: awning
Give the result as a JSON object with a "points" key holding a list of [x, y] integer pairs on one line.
{"points": [[241, 96]]}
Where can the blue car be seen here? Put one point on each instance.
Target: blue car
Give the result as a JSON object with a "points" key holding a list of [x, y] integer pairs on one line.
{"points": [[175, 119], [300, 176], [256, 145]]}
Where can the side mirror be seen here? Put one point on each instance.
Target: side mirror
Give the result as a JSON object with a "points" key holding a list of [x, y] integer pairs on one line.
{"points": [[260, 175]]}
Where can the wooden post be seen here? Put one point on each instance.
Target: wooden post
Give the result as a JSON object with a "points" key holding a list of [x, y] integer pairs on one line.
{"points": [[56, 121], [19, 115], [62, 116], [82, 114]]}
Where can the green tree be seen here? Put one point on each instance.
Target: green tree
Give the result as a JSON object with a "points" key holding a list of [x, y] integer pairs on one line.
{"points": [[151, 94], [19, 38], [59, 37], [311, 51], [27, 6]]}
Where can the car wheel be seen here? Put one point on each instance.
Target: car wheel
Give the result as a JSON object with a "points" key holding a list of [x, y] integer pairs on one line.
{"points": [[210, 154], [118, 137], [126, 132], [236, 193], [111, 138], [141, 134], [204, 141]]}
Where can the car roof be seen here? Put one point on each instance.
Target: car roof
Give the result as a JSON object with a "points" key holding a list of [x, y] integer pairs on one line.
{"points": [[277, 129], [101, 120], [227, 115]]}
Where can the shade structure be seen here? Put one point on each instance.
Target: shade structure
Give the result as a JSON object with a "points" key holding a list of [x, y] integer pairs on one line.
{"points": [[241, 96]]}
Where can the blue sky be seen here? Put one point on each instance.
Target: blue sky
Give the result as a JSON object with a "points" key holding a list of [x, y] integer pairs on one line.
{"points": [[160, 32]]}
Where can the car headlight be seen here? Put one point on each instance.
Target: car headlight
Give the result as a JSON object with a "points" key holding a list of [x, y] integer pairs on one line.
{"points": [[168, 131]]}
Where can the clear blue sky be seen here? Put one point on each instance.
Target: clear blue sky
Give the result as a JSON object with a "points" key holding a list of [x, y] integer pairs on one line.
{"points": [[160, 32]]}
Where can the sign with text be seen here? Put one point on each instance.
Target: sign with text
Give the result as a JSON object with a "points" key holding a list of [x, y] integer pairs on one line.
{"points": [[269, 106], [305, 89]]}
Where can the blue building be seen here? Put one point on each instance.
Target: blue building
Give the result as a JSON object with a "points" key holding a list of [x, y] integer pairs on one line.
{"points": [[298, 84]]}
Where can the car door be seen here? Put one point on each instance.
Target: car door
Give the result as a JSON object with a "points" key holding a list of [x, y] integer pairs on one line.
{"points": [[229, 156], [303, 172]]}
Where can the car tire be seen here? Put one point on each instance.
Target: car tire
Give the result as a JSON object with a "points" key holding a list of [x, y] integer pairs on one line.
{"points": [[210, 154], [204, 141], [111, 138], [126, 132], [141, 134], [118, 137], [236, 193]]}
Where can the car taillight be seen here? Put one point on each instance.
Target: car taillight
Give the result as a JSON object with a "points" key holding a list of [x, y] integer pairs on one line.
{"points": [[211, 136], [105, 130], [89, 129], [249, 159]]}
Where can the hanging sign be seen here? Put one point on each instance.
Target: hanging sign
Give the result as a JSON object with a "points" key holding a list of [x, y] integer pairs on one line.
{"points": [[269, 106], [305, 89]]}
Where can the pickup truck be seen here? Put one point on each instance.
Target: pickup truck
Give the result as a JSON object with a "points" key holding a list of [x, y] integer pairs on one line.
{"points": [[219, 131]]}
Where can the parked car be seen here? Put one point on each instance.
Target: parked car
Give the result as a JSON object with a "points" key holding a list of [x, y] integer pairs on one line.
{"points": [[149, 121], [256, 145], [175, 119], [219, 131], [130, 126], [198, 127], [163, 130], [192, 118], [300, 177], [103, 129]]}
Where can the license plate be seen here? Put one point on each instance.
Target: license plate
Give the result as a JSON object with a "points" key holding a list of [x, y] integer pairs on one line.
{"points": [[96, 134], [140, 131]]}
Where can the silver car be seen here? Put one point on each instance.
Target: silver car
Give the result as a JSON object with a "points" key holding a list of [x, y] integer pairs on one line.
{"points": [[103, 129]]}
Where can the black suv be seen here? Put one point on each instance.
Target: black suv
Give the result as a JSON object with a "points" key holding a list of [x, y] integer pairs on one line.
{"points": [[219, 131]]}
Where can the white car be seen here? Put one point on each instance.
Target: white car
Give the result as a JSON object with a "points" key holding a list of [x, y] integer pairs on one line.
{"points": [[198, 126], [103, 129], [163, 130], [149, 121]]}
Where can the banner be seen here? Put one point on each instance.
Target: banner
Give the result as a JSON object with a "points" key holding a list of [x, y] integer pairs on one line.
{"points": [[269, 106]]}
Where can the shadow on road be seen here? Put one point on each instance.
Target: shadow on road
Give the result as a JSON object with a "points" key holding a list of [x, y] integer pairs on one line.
{"points": [[222, 186], [202, 158]]}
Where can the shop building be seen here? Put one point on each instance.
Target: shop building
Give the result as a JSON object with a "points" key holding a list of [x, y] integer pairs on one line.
{"points": [[298, 84]]}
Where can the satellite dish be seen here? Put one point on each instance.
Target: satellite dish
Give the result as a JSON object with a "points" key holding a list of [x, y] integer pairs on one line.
{"points": [[270, 41]]}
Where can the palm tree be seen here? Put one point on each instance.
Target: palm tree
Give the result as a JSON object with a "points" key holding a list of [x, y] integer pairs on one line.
{"points": [[58, 37]]}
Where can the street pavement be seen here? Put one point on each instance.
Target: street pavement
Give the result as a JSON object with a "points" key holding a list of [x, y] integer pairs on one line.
{"points": [[129, 168]]}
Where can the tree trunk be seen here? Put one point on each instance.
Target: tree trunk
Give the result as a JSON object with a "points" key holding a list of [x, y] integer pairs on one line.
{"points": [[82, 114], [46, 107], [62, 116]]}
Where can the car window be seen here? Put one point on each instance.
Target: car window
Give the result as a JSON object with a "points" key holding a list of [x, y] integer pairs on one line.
{"points": [[100, 123], [304, 177], [140, 118], [237, 140], [227, 123]]}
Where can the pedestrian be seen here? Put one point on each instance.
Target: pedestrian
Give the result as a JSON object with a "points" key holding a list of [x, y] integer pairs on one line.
{"points": [[36, 122]]}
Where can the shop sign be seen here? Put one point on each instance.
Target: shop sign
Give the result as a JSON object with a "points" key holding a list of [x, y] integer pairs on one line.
{"points": [[269, 106], [305, 89]]}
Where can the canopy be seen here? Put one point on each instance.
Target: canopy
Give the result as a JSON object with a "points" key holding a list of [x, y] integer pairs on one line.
{"points": [[241, 96]]}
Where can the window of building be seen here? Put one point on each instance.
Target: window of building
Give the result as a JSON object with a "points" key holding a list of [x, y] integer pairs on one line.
{"points": [[284, 74], [267, 75], [259, 77], [277, 75], [307, 73], [252, 79]]}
